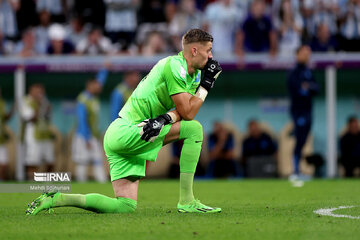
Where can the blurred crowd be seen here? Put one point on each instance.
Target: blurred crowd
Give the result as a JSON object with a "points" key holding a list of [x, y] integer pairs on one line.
{"points": [[135, 27]]}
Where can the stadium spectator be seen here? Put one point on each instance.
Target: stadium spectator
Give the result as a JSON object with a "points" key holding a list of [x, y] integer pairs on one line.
{"points": [[26, 15], [6, 47], [121, 21], [154, 11], [153, 17], [42, 31], [221, 153], [257, 33], [8, 21], [35, 112], [92, 12], [95, 44], [221, 19], [27, 46], [323, 41], [86, 147], [122, 92], [154, 44], [350, 33], [350, 147], [77, 30], [302, 88], [289, 24], [4, 158], [258, 144], [58, 42], [276, 5], [318, 12], [57, 9], [187, 17]]}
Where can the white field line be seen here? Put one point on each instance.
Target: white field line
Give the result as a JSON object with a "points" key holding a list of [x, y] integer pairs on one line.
{"points": [[329, 212]]}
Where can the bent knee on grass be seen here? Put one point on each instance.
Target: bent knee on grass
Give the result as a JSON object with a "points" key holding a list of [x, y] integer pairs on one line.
{"points": [[126, 188]]}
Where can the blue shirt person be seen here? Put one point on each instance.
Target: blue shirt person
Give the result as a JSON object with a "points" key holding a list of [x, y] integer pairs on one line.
{"points": [[302, 88]]}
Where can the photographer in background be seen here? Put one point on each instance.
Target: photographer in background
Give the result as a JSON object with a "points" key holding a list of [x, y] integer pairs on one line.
{"points": [[350, 147]]}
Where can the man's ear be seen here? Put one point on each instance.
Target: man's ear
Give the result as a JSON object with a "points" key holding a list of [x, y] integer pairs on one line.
{"points": [[194, 51]]}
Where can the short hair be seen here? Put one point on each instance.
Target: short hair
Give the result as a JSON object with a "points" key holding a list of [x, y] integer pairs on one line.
{"points": [[352, 119], [90, 81], [252, 121], [196, 35], [300, 48]]}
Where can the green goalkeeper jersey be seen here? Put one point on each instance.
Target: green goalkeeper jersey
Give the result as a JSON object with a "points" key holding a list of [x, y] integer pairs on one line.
{"points": [[152, 97]]}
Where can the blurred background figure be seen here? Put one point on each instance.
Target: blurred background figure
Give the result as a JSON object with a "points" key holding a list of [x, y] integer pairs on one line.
{"points": [[289, 24], [57, 8], [42, 31], [187, 17], [86, 147], [27, 46], [316, 12], [302, 88], [154, 44], [4, 158], [35, 111], [121, 21], [122, 92], [257, 33], [221, 19], [58, 42], [258, 149], [77, 30], [95, 43], [350, 147], [8, 21], [323, 41], [350, 32], [221, 153]]}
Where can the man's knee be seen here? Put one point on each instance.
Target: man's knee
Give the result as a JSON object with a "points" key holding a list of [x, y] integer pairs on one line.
{"points": [[191, 129]]}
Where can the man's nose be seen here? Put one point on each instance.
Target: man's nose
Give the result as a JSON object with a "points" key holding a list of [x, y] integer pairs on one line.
{"points": [[210, 55]]}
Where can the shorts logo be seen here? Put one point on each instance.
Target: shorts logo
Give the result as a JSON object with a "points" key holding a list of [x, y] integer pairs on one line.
{"points": [[52, 177]]}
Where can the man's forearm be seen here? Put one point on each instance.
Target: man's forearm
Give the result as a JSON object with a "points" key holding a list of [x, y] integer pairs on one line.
{"points": [[194, 106]]}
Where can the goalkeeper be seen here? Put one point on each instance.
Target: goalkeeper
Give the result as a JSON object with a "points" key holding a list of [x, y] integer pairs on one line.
{"points": [[160, 110]]}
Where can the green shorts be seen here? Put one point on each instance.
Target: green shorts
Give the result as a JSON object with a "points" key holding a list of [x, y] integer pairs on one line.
{"points": [[127, 152]]}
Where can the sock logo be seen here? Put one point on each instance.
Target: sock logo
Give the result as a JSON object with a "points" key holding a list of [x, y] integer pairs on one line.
{"points": [[52, 176]]}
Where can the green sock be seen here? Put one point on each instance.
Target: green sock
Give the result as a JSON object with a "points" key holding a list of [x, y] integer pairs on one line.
{"points": [[97, 203], [71, 200], [186, 188], [191, 132]]}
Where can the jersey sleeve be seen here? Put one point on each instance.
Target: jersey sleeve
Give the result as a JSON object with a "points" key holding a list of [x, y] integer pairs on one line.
{"points": [[175, 77]]}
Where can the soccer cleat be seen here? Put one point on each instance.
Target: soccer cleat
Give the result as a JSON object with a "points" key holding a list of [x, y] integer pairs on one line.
{"points": [[196, 207], [44, 201]]}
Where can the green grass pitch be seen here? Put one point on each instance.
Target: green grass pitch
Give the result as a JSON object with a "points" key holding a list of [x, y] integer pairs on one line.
{"points": [[252, 209]]}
